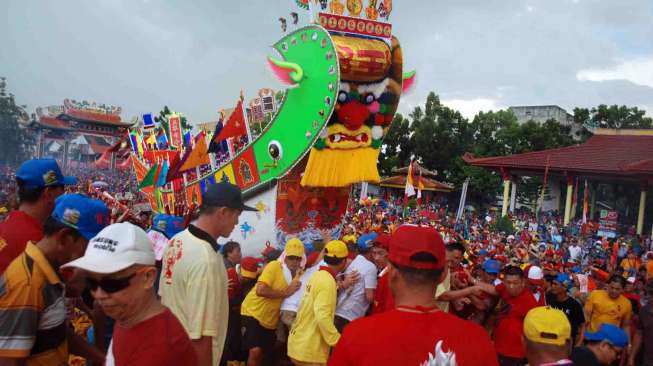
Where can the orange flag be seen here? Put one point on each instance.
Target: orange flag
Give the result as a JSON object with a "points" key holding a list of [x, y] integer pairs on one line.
{"points": [[198, 156]]}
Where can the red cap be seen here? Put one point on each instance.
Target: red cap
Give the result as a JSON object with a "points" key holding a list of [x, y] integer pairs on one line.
{"points": [[249, 266], [383, 241], [409, 240]]}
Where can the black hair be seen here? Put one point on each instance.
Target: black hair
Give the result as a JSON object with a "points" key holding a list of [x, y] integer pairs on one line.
{"points": [[26, 194], [456, 246], [420, 277], [618, 278], [207, 210], [53, 226], [229, 247], [513, 271], [333, 261]]}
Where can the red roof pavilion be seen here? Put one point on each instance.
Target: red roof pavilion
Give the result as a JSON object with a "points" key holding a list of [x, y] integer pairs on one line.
{"points": [[624, 154]]}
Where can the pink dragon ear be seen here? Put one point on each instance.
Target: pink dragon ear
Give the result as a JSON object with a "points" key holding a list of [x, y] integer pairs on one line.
{"points": [[289, 73], [408, 81]]}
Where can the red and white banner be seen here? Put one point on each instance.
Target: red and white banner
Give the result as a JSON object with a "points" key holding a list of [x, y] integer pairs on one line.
{"points": [[176, 137]]}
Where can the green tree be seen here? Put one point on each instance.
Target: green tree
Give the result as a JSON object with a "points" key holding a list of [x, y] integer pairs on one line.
{"points": [[15, 142], [397, 146], [613, 116]]}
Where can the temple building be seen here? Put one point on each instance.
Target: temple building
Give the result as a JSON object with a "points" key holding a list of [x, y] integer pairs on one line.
{"points": [[77, 133], [618, 158]]}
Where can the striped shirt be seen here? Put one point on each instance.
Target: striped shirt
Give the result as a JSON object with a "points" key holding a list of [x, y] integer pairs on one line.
{"points": [[32, 311]]}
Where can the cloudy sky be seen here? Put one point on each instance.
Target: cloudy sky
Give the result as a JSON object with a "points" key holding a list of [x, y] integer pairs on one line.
{"points": [[195, 56]]}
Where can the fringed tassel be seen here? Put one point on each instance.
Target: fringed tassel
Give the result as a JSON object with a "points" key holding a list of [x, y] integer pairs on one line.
{"points": [[340, 168]]}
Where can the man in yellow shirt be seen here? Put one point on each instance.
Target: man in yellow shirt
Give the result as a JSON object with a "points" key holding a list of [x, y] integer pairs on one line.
{"points": [[262, 306], [314, 332], [609, 306]]}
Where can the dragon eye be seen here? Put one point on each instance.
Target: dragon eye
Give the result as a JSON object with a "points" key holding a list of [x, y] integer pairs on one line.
{"points": [[368, 98], [274, 150], [342, 97]]}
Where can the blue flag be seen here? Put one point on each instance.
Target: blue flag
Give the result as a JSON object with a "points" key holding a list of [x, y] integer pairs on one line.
{"points": [[162, 175]]}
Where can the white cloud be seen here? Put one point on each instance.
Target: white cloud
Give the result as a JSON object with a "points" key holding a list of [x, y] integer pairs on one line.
{"points": [[638, 71], [470, 107]]}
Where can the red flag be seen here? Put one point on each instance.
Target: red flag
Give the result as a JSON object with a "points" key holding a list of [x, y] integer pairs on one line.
{"points": [[235, 125]]}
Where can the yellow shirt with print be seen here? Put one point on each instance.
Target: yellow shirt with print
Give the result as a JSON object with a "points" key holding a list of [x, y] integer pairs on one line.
{"points": [[264, 309], [604, 309], [313, 332]]}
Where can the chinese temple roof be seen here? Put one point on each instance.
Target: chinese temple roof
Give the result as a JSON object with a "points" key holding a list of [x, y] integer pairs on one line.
{"points": [[617, 153], [59, 117]]}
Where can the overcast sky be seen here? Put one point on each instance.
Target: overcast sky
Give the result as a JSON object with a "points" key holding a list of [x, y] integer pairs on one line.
{"points": [[195, 56]]}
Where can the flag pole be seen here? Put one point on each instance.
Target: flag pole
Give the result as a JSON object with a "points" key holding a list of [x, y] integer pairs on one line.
{"points": [[249, 132]]}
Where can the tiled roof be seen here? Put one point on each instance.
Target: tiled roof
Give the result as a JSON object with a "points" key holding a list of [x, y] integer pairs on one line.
{"points": [[97, 144], [614, 154], [95, 117], [53, 123]]}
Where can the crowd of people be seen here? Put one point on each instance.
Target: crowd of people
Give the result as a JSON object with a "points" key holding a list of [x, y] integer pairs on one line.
{"points": [[399, 286]]}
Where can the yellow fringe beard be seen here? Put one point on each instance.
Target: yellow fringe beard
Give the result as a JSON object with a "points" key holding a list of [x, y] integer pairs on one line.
{"points": [[340, 168]]}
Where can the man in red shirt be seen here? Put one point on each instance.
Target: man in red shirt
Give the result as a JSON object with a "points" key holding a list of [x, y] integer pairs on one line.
{"points": [[416, 331], [39, 183], [383, 300], [515, 302], [121, 274]]}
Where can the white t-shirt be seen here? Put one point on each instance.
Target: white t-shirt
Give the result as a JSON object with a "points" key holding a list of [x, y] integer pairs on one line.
{"points": [[574, 252], [193, 285], [291, 303], [352, 303]]}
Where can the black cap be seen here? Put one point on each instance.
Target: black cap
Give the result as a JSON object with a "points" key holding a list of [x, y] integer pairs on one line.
{"points": [[224, 194]]}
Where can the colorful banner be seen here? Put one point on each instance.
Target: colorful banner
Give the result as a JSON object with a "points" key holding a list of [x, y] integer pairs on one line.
{"points": [[176, 136], [304, 212], [608, 226], [345, 24], [226, 173]]}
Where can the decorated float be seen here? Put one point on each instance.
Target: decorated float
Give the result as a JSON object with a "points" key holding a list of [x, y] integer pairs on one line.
{"points": [[343, 74]]}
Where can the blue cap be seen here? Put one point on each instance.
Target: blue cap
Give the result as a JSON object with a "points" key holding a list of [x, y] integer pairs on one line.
{"points": [[564, 280], [609, 333], [482, 252], [492, 266], [38, 173], [168, 225], [86, 215], [576, 269], [365, 241]]}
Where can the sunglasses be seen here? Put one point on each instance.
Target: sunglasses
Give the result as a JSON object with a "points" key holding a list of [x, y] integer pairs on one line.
{"points": [[112, 285]]}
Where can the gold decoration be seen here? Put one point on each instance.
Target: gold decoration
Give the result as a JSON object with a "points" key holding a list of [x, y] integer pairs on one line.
{"points": [[337, 7], [355, 7], [371, 13]]}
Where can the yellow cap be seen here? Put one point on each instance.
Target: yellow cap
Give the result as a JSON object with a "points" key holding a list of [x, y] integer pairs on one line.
{"points": [[547, 325], [351, 238], [294, 248], [336, 248]]}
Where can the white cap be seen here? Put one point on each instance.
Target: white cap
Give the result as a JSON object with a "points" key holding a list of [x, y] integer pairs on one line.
{"points": [[631, 280], [115, 248], [535, 273], [511, 237]]}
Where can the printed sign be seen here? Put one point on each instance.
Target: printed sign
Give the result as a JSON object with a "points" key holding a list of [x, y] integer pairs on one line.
{"points": [[175, 131]]}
